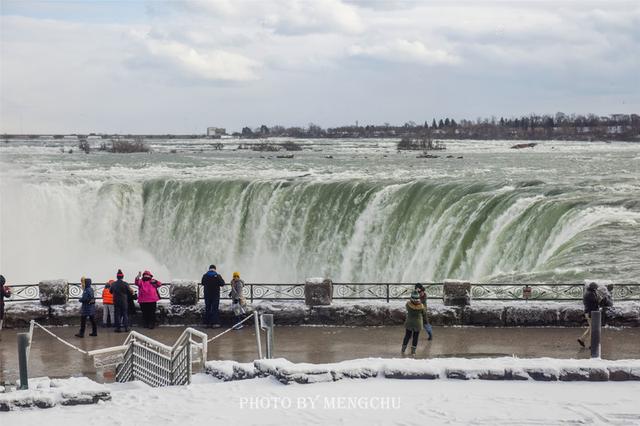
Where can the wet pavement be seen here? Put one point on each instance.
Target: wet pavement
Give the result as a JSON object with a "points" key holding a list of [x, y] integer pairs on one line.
{"points": [[321, 344]]}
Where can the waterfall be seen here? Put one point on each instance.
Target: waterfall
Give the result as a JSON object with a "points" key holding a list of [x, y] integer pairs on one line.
{"points": [[279, 230]]}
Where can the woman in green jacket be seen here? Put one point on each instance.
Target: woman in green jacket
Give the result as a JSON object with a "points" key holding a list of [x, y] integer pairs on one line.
{"points": [[416, 317]]}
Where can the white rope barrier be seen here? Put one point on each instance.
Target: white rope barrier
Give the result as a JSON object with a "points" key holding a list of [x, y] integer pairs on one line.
{"points": [[61, 340], [228, 330], [82, 351]]}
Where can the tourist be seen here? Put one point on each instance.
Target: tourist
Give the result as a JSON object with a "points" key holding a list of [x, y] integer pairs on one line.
{"points": [[132, 296], [212, 282], [423, 299], [88, 309], [148, 297], [590, 301], [4, 292], [107, 305], [121, 295], [238, 301], [605, 300], [416, 317]]}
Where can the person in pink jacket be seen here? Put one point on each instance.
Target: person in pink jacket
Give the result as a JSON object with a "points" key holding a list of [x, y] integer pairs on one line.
{"points": [[148, 297]]}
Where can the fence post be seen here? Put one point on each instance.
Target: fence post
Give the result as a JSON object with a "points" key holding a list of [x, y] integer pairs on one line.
{"points": [[256, 322], [387, 292], [31, 325], [251, 289], [267, 322], [23, 343], [596, 322]]}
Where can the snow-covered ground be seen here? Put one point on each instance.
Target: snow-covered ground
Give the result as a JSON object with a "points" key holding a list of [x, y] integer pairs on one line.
{"points": [[351, 402]]}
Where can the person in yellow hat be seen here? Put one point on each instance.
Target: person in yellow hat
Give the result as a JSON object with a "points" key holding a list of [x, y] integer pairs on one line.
{"points": [[238, 305]]}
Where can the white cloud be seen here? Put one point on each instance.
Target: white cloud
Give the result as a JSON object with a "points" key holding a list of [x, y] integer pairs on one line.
{"points": [[411, 51], [295, 17], [208, 64]]}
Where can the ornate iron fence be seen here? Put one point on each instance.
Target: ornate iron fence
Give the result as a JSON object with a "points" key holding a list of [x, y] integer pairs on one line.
{"points": [[374, 291]]}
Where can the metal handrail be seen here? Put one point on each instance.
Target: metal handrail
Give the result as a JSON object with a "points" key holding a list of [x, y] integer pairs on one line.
{"points": [[156, 363], [387, 291]]}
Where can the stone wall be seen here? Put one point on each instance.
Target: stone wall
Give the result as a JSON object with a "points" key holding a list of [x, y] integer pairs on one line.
{"points": [[372, 313]]}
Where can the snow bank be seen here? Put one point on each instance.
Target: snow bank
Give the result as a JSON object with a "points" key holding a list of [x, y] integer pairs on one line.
{"points": [[504, 368], [46, 393], [264, 401], [230, 370]]}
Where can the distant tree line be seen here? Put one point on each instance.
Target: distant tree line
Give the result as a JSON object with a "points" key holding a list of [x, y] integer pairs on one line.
{"points": [[561, 126], [621, 127]]}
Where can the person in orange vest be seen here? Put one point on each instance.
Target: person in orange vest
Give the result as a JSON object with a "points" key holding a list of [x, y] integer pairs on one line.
{"points": [[107, 305]]}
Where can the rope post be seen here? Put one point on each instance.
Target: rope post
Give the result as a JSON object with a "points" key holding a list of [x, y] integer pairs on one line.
{"points": [[267, 322], [256, 322], [596, 322], [23, 344], [31, 327]]}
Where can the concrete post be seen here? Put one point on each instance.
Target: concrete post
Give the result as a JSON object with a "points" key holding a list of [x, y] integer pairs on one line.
{"points": [[596, 321], [318, 292], [267, 322], [23, 343], [456, 293], [256, 322]]}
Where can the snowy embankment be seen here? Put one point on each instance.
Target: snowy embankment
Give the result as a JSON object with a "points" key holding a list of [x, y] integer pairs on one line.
{"points": [[46, 393], [264, 401], [354, 313], [503, 368]]}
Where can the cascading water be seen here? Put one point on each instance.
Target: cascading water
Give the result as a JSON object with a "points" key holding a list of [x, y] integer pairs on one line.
{"points": [[284, 230]]}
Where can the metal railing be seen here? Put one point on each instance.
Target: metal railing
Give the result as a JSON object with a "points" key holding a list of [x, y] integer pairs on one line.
{"points": [[157, 364], [374, 291]]}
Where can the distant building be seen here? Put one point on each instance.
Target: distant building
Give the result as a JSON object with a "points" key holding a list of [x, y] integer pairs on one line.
{"points": [[216, 131]]}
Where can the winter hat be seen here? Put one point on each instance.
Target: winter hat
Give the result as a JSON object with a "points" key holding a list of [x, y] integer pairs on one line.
{"points": [[212, 266], [415, 297], [147, 274], [419, 286], [119, 275], [236, 275], [593, 286]]}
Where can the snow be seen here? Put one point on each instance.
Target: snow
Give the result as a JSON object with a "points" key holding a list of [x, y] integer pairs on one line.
{"points": [[264, 401], [501, 368], [45, 393]]}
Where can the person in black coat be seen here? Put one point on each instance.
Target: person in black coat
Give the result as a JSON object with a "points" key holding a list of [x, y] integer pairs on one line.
{"points": [[212, 282], [4, 292], [121, 295], [88, 309], [590, 301]]}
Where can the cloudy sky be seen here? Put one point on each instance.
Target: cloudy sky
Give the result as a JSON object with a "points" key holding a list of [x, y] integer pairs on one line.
{"points": [[180, 66]]}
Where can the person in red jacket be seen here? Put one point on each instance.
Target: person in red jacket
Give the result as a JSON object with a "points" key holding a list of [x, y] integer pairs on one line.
{"points": [[148, 297], [107, 305]]}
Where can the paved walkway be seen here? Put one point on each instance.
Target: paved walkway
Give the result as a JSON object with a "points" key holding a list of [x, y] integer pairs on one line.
{"points": [[323, 344]]}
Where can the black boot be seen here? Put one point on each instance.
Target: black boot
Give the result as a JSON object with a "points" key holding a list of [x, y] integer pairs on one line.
{"points": [[404, 349]]}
